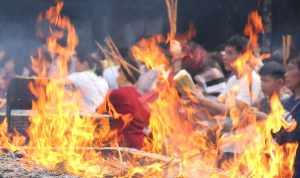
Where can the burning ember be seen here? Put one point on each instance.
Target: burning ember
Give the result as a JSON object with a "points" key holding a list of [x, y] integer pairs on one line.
{"points": [[186, 140]]}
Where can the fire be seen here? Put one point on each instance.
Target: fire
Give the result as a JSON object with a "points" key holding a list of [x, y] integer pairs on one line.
{"points": [[57, 131], [10, 142], [172, 6], [186, 141], [178, 132], [262, 156], [149, 52], [252, 30], [188, 35], [59, 137], [63, 24]]}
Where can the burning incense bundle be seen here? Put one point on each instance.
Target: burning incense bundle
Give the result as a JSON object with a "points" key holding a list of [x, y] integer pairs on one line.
{"points": [[172, 15], [286, 48], [112, 52]]}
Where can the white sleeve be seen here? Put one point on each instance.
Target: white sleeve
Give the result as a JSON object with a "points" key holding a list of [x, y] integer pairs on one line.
{"points": [[256, 88], [247, 96], [227, 89], [74, 79]]}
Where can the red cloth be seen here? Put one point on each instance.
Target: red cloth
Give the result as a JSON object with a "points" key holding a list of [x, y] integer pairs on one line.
{"points": [[127, 100]]}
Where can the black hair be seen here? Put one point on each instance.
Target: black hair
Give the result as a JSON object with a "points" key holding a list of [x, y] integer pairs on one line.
{"points": [[130, 71], [94, 64], [43, 54], [214, 61], [217, 61], [191, 65], [238, 42], [296, 61], [273, 69]]}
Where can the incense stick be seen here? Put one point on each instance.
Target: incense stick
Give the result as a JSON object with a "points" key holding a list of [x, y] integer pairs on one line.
{"points": [[172, 6], [286, 48], [112, 52]]}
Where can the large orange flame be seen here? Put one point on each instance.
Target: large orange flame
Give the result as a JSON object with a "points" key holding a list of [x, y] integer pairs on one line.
{"points": [[195, 140], [186, 141], [149, 52], [253, 28], [57, 130]]}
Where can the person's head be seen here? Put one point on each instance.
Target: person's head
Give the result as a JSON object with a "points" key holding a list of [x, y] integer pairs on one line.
{"points": [[84, 61], [2, 84], [128, 73], [194, 60], [211, 70], [211, 78], [233, 49], [9, 65], [272, 76], [2, 55], [292, 76], [82, 64]]}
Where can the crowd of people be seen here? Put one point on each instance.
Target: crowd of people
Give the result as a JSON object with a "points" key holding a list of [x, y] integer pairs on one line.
{"points": [[128, 90]]}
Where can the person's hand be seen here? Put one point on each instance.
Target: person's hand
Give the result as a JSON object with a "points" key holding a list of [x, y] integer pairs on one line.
{"points": [[200, 80], [175, 49], [278, 137], [198, 93], [195, 95]]}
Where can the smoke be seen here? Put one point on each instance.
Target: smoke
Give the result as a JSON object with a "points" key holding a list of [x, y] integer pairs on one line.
{"points": [[125, 21]]}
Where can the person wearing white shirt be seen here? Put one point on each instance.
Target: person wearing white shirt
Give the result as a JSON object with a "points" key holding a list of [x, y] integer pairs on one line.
{"points": [[92, 87], [111, 74], [244, 89]]}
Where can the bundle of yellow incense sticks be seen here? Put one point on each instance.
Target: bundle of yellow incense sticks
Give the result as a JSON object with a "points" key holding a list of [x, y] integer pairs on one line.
{"points": [[112, 52], [286, 48], [172, 6]]}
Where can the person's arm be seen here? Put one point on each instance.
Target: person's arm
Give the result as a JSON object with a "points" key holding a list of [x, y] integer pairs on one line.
{"points": [[218, 108], [260, 115], [283, 136], [214, 107]]}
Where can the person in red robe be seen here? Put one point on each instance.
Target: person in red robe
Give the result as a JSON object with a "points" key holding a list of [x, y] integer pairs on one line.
{"points": [[128, 101]]}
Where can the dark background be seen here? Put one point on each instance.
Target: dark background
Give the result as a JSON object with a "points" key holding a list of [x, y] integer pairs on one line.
{"points": [[128, 20], [286, 20]]}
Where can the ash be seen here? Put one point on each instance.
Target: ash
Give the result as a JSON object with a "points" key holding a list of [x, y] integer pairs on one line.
{"points": [[11, 166]]}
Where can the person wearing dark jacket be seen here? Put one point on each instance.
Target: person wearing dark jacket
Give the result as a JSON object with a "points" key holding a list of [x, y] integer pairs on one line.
{"points": [[272, 77], [292, 105]]}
